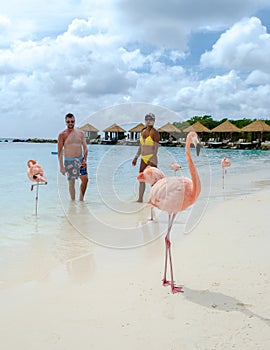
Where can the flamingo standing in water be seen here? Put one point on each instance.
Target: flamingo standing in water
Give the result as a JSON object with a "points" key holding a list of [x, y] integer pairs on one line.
{"points": [[36, 174], [175, 194], [225, 163]]}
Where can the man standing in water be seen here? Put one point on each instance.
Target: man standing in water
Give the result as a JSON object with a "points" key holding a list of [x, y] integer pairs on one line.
{"points": [[149, 142], [72, 156]]}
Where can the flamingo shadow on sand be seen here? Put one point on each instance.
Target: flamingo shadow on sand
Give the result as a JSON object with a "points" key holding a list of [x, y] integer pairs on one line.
{"points": [[221, 302], [173, 195]]}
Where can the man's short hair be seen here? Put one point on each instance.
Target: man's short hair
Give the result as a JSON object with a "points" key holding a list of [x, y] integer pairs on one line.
{"points": [[69, 115]]}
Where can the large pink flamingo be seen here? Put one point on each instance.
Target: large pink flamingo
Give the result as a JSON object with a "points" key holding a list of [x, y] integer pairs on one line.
{"points": [[175, 194]]}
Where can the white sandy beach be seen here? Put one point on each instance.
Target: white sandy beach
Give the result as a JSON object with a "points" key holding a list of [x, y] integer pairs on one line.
{"points": [[102, 298]]}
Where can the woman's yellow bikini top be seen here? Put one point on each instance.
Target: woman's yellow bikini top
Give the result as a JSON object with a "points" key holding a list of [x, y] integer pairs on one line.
{"points": [[148, 141]]}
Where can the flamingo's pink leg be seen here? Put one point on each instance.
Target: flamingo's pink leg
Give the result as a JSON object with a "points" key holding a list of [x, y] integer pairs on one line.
{"points": [[165, 282], [152, 214], [174, 288]]}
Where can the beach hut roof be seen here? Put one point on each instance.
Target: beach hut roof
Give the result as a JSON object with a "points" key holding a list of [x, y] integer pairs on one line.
{"points": [[88, 127], [170, 128], [137, 128], [114, 128], [198, 127], [226, 126], [257, 125]]}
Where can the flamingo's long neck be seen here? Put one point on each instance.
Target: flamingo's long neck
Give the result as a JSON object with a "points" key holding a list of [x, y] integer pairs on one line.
{"points": [[193, 172]]}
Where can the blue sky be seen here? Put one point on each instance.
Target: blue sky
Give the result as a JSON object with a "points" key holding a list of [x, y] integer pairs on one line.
{"points": [[180, 58]]}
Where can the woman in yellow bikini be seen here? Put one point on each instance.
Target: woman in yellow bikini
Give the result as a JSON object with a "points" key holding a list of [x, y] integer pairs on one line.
{"points": [[149, 142]]}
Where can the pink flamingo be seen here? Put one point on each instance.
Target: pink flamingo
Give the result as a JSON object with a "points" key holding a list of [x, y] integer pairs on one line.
{"points": [[225, 163], [175, 194], [175, 167], [151, 175], [35, 173]]}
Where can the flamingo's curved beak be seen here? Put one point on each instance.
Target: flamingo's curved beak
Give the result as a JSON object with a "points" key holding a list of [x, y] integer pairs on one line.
{"points": [[43, 179], [198, 148], [141, 177], [40, 178]]}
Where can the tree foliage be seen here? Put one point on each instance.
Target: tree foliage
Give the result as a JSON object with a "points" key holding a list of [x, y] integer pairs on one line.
{"points": [[210, 123], [240, 123]]}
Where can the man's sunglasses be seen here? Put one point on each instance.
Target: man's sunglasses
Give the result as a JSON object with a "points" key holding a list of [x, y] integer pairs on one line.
{"points": [[70, 121]]}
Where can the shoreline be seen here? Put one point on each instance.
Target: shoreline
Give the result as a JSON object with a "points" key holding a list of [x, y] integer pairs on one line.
{"points": [[29, 140], [265, 146]]}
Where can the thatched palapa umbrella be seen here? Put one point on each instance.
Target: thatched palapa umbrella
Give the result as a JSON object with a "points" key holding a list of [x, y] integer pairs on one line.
{"points": [[197, 127], [115, 132], [136, 131], [168, 129], [90, 131], [258, 127], [226, 128]]}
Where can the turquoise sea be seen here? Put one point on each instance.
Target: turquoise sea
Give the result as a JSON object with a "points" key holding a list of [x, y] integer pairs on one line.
{"points": [[112, 188], [112, 178]]}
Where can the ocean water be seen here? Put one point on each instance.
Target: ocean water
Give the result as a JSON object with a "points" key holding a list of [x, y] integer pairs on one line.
{"points": [[64, 232], [110, 202], [112, 178]]}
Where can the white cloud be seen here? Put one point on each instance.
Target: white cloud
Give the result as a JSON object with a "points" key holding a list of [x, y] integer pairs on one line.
{"points": [[37, 19], [89, 60], [13, 30], [257, 77], [4, 23], [245, 46], [169, 23], [134, 59]]}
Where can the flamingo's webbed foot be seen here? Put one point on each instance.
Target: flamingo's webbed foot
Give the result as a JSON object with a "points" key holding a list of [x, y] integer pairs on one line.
{"points": [[152, 219], [166, 282], [176, 289]]}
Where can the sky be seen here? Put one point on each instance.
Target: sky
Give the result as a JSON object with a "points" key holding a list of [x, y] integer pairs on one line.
{"points": [[110, 61]]}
